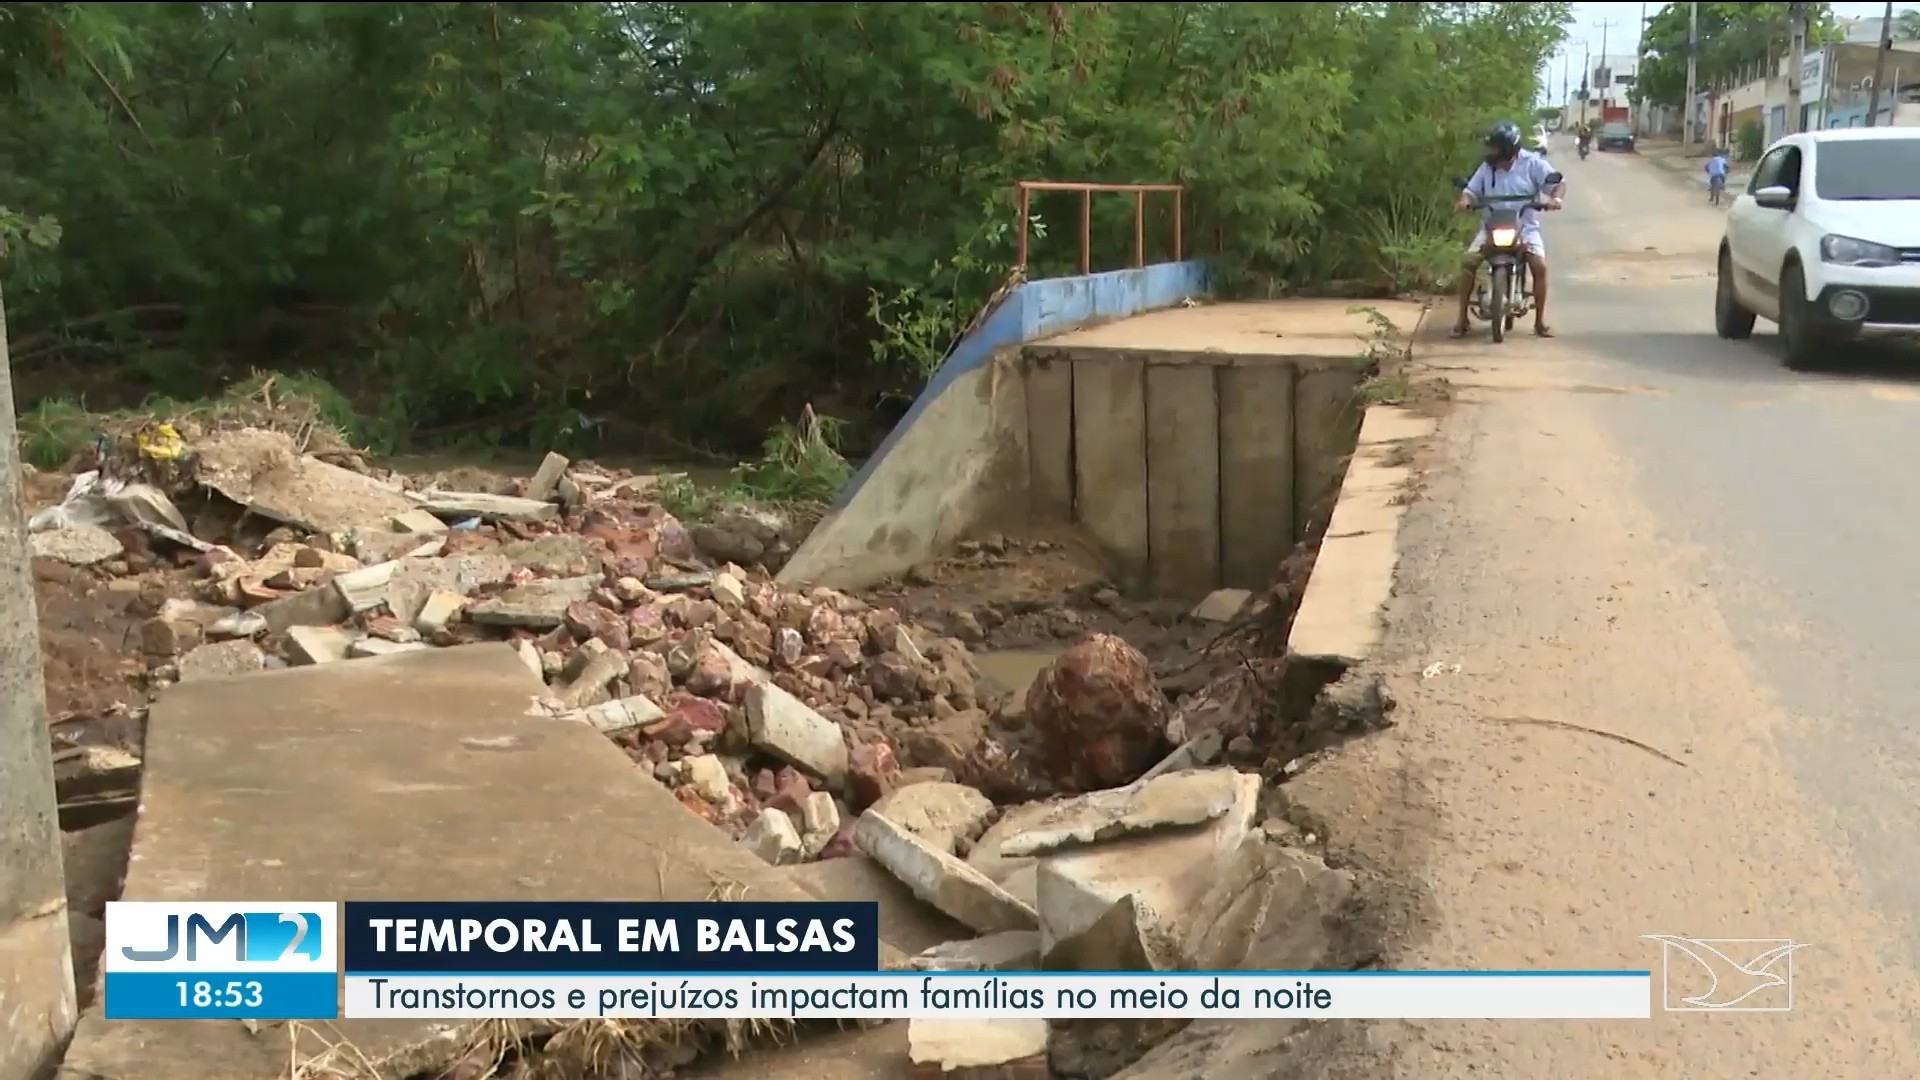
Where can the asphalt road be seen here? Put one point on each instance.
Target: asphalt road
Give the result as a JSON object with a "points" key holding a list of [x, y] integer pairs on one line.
{"points": [[1664, 588], [1801, 492]]}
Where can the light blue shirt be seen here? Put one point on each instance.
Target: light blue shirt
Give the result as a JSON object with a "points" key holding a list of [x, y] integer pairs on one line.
{"points": [[1526, 176], [1717, 165]]}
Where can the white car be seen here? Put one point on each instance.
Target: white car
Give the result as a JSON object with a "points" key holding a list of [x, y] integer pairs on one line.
{"points": [[1825, 241]]}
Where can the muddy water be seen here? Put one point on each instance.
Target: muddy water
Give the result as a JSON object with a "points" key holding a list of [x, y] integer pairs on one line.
{"points": [[1013, 670]]}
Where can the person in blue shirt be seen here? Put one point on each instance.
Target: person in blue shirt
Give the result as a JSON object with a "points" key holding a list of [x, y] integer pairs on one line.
{"points": [[1716, 175], [1509, 169]]}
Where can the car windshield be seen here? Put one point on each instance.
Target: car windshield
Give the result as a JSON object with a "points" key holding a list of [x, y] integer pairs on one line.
{"points": [[1868, 169]]}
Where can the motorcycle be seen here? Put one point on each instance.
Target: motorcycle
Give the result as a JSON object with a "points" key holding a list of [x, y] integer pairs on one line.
{"points": [[1585, 149], [1501, 295]]}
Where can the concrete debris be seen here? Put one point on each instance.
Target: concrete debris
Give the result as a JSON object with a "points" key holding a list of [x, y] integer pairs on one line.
{"points": [[1197, 752], [471, 504], [222, 660], [940, 879], [530, 655], [262, 471], [372, 646], [728, 591], [961, 1048], [238, 624], [538, 605], [439, 610], [1168, 801], [1122, 904], [773, 838], [906, 922], [946, 815], [1221, 605], [1100, 718], [76, 545], [746, 535], [1009, 950], [553, 555], [707, 777], [623, 714], [783, 725], [365, 589], [418, 521], [819, 822], [318, 644], [546, 479], [590, 685]]}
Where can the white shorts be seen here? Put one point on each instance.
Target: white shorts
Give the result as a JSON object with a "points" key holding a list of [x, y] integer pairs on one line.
{"points": [[1530, 235]]}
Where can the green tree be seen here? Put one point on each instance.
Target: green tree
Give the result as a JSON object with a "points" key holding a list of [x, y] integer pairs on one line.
{"points": [[1733, 39]]}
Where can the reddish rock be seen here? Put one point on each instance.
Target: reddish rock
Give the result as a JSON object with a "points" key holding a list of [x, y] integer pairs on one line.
{"points": [[883, 624], [841, 845], [693, 802], [790, 791], [645, 626], [674, 542], [753, 640], [710, 675], [844, 653], [823, 625], [1100, 718], [685, 716], [894, 677], [649, 677], [589, 620], [872, 773]]}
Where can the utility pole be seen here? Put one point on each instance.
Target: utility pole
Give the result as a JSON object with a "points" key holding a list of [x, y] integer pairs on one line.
{"points": [[1639, 52], [36, 959], [1586, 79], [1693, 72], [1880, 64], [1606, 65], [1797, 49]]}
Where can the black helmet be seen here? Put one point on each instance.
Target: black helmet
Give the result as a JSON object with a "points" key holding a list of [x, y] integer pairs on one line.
{"points": [[1504, 137]]}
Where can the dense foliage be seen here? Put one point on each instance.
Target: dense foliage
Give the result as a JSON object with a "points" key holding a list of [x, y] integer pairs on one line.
{"points": [[1734, 40], [553, 222]]}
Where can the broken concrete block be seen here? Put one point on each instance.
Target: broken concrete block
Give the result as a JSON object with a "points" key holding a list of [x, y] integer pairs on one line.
{"points": [[728, 591], [553, 555], [366, 647], [374, 546], [614, 717], [1009, 950], [538, 605], [941, 813], [1123, 902], [940, 879], [906, 922], [222, 660], [977, 1048], [1221, 605], [468, 504], [784, 726], [708, 777], [1167, 801], [1201, 750], [592, 681], [76, 545], [439, 610], [529, 654], [163, 636], [262, 471], [238, 624], [546, 479], [418, 521], [365, 589], [318, 644], [773, 838], [819, 822], [322, 606]]}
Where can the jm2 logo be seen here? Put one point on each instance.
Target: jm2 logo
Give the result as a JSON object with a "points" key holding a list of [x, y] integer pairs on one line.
{"points": [[262, 937]]}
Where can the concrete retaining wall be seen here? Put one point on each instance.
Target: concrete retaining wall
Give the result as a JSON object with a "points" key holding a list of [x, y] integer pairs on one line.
{"points": [[1192, 471], [958, 459]]}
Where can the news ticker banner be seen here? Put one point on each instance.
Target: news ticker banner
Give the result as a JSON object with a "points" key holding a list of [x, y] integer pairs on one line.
{"points": [[508, 960]]}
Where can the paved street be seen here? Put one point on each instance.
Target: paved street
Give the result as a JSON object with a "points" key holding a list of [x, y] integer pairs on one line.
{"points": [[1652, 535]]}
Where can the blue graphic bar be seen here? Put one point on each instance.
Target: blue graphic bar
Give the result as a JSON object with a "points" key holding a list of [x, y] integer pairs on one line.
{"points": [[222, 995]]}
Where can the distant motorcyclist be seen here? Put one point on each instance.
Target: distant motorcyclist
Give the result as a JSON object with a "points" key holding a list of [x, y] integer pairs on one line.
{"points": [[1586, 139], [1509, 170]]}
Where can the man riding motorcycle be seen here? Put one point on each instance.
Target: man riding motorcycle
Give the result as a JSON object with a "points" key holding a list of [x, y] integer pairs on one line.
{"points": [[1586, 138], [1509, 170]]}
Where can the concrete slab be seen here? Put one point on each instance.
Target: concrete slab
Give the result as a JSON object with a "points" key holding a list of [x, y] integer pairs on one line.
{"points": [[1050, 440], [906, 922], [1260, 331], [1110, 458], [411, 777], [1325, 421], [1257, 527], [1183, 480], [1340, 615], [1390, 424]]}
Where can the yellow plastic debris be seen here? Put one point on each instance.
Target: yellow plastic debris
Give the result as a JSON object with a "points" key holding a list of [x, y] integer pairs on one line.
{"points": [[160, 442]]}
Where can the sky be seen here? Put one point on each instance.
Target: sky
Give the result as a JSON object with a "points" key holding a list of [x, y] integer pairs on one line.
{"points": [[1622, 37]]}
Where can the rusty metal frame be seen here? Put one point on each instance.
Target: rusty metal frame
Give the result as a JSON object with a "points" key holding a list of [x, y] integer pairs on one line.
{"points": [[1024, 189]]}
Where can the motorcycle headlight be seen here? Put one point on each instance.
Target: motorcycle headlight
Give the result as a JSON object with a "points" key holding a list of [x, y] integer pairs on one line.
{"points": [[1504, 236], [1848, 251]]}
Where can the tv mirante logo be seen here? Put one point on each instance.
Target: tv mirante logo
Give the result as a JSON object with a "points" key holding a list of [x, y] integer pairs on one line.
{"points": [[1726, 974]]}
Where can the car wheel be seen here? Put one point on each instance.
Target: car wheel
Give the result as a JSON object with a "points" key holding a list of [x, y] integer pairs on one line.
{"points": [[1730, 320], [1799, 329]]}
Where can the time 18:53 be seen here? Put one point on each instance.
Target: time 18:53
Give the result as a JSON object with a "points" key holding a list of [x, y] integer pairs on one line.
{"points": [[231, 995]]}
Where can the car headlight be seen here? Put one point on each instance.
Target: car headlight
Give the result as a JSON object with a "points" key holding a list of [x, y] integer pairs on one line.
{"points": [[1503, 236], [1848, 251]]}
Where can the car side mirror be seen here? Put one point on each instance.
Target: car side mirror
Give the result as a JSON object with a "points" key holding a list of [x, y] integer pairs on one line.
{"points": [[1774, 197]]}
